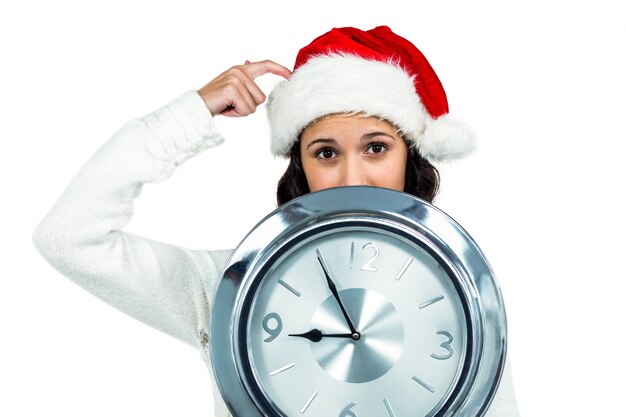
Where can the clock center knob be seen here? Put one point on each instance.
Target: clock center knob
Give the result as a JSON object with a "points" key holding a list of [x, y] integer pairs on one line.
{"points": [[373, 350]]}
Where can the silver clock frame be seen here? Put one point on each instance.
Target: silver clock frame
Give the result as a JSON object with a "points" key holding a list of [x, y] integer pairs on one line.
{"points": [[370, 207]]}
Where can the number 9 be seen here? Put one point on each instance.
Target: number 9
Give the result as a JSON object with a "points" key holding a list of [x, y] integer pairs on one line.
{"points": [[273, 331]]}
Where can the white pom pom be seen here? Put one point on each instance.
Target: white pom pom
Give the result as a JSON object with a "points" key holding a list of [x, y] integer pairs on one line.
{"points": [[446, 139]]}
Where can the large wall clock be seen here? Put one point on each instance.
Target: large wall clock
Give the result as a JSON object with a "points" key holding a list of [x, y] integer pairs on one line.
{"points": [[358, 301]]}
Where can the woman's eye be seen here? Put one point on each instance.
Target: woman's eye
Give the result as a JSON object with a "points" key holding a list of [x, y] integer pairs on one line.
{"points": [[325, 153], [376, 148]]}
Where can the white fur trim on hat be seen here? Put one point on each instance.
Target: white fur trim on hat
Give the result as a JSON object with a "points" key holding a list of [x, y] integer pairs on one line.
{"points": [[349, 84], [446, 138]]}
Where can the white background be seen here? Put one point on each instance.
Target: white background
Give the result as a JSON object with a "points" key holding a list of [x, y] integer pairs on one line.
{"points": [[542, 83]]}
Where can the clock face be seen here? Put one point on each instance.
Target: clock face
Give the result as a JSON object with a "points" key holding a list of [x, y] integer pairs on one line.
{"points": [[358, 301], [391, 341]]}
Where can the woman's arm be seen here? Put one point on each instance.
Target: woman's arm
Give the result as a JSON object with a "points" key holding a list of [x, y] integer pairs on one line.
{"points": [[82, 235], [83, 238]]}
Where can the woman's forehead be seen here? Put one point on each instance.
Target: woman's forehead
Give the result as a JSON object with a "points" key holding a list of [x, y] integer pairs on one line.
{"points": [[340, 121]]}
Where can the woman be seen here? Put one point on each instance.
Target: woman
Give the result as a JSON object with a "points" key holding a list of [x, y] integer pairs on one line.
{"points": [[361, 108]]}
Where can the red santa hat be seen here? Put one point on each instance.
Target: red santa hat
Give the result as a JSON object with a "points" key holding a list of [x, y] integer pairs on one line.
{"points": [[373, 73]]}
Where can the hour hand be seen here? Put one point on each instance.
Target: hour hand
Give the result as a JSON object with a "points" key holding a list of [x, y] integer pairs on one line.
{"points": [[315, 335]]}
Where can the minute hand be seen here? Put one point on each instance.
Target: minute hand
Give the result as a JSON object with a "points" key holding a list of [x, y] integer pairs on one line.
{"points": [[333, 289]]}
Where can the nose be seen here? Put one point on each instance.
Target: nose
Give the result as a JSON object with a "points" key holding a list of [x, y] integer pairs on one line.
{"points": [[354, 173]]}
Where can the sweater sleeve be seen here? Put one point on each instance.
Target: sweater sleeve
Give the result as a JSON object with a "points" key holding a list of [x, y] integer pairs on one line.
{"points": [[504, 403], [162, 285]]}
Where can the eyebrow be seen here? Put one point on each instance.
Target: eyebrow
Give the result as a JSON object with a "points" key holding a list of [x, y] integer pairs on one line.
{"points": [[374, 134], [365, 137]]}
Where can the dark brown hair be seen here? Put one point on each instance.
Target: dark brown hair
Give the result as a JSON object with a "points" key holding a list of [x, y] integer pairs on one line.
{"points": [[421, 178]]}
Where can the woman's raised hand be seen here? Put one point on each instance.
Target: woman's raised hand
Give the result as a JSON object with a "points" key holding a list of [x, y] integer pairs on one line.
{"points": [[234, 93]]}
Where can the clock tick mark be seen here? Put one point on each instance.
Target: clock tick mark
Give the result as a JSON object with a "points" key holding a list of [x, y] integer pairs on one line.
{"points": [[308, 402], [388, 406], [404, 268], [422, 383], [431, 301], [290, 288], [281, 369]]}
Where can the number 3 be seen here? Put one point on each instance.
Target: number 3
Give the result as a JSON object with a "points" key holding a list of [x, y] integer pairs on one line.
{"points": [[445, 345]]}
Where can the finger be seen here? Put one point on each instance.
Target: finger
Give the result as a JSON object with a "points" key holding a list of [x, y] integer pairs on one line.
{"points": [[244, 86], [238, 75], [255, 91], [256, 69], [242, 103]]}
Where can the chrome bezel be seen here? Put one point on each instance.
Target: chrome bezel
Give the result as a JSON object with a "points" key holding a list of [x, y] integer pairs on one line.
{"points": [[370, 207]]}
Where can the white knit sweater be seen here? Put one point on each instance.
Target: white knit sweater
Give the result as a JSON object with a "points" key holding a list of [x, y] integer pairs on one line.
{"points": [[165, 286]]}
